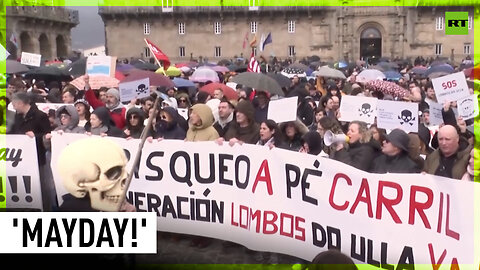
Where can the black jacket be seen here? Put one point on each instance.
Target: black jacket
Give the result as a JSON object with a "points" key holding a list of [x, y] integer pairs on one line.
{"points": [[36, 121], [359, 155], [400, 163], [170, 130]]}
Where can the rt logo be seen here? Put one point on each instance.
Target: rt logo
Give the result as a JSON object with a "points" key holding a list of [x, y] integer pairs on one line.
{"points": [[457, 23]]}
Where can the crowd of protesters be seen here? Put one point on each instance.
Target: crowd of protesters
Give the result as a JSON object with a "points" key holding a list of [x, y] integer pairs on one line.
{"points": [[447, 152]]}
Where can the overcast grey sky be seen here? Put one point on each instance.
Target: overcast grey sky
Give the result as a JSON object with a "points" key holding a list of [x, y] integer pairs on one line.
{"points": [[90, 32]]}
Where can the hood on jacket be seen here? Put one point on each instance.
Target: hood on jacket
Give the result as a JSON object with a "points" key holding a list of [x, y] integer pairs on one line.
{"points": [[205, 114], [139, 113], [314, 141], [246, 107], [104, 115], [70, 110], [299, 126]]}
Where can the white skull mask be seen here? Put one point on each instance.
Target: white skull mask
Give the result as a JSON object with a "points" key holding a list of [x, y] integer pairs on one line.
{"points": [[95, 166]]}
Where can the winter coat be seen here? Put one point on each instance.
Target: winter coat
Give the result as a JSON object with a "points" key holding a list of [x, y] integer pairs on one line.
{"points": [[436, 162], [136, 131], [249, 134], [117, 114], [170, 130], [108, 126], [37, 122], [222, 130], [206, 131], [359, 155], [72, 127], [296, 143], [400, 163]]}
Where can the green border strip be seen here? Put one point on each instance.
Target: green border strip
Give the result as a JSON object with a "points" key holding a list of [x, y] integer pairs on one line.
{"points": [[460, 3]]}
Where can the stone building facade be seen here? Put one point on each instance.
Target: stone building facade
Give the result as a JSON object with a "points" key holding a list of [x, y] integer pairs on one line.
{"points": [[41, 30], [332, 33]]}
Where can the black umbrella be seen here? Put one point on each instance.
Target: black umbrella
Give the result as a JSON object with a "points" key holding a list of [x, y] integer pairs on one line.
{"points": [[300, 66], [14, 67], [146, 66], [77, 68], [314, 58], [224, 62], [48, 73], [283, 81], [237, 68], [259, 81]]}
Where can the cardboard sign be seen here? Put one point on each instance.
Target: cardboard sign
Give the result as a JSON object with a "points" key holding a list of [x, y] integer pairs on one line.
{"points": [[436, 117], [31, 59], [101, 65], [358, 108], [134, 89], [283, 110], [468, 107], [396, 114], [451, 87]]}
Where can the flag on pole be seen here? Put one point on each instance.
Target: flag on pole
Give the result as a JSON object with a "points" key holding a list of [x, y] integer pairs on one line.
{"points": [[254, 41], [253, 65], [260, 45], [13, 39], [265, 41], [158, 54], [245, 40]]}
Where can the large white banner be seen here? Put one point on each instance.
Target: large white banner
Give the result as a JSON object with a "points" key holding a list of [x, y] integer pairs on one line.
{"points": [[298, 204], [23, 179]]}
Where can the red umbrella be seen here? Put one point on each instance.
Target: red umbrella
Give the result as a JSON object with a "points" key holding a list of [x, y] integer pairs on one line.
{"points": [[156, 79], [119, 75], [228, 92]]}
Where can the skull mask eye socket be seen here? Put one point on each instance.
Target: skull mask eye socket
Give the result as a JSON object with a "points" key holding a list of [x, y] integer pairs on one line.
{"points": [[114, 173]]}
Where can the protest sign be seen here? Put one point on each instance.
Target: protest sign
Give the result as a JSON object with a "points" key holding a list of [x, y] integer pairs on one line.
{"points": [[468, 107], [183, 112], [31, 59], [283, 110], [450, 87], [23, 178], [101, 65], [396, 114], [134, 89], [297, 204], [436, 117], [358, 108]]}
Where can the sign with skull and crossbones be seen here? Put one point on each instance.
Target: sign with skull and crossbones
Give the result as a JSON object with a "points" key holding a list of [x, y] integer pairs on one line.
{"points": [[397, 114], [358, 108], [134, 89], [468, 107]]}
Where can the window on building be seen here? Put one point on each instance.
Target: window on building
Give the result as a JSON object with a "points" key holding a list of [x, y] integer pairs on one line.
{"points": [[181, 51], [466, 48], [291, 51], [253, 27], [438, 49], [146, 29], [181, 28], [217, 28], [218, 51], [470, 22], [147, 52], [291, 26], [167, 5], [439, 22]]}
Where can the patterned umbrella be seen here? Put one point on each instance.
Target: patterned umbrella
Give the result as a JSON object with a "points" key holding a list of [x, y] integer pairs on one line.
{"points": [[229, 92], [204, 74], [387, 88], [291, 72], [96, 82]]}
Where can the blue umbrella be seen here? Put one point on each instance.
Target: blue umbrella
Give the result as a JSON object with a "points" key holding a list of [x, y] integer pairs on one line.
{"points": [[179, 82], [445, 68], [392, 75]]}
